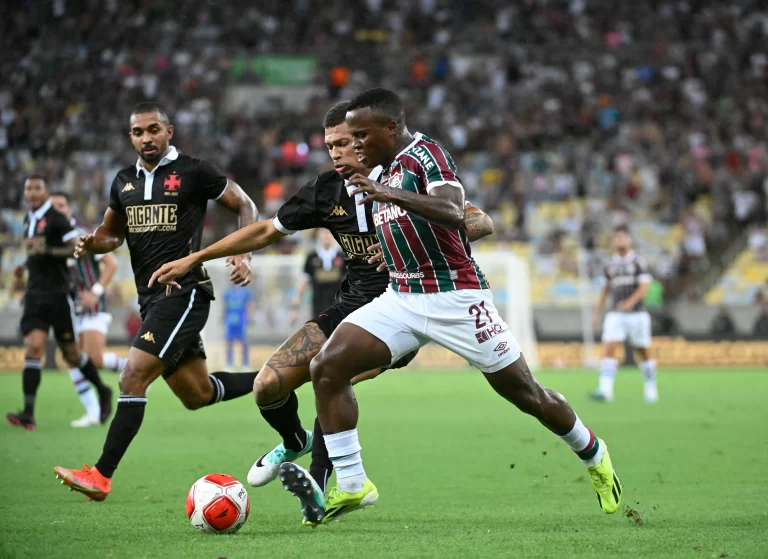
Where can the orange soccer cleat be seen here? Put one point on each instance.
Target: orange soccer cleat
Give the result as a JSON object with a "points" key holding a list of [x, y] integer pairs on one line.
{"points": [[87, 481]]}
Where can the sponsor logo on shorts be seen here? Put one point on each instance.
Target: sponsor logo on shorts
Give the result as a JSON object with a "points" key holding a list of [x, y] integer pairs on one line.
{"points": [[148, 337], [502, 348], [491, 332], [406, 275]]}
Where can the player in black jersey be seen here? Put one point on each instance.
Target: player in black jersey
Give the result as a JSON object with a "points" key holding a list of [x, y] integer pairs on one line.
{"points": [[50, 240], [323, 202], [158, 206]]}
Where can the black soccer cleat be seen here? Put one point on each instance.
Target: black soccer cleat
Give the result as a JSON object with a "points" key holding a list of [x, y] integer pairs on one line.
{"points": [[299, 483]]}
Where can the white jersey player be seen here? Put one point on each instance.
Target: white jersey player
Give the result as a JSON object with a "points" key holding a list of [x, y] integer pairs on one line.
{"points": [[627, 279]]}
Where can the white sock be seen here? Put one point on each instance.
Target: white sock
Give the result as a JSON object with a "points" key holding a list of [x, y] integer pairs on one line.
{"points": [[649, 375], [608, 368], [649, 371], [86, 393], [344, 451], [114, 362], [584, 443]]}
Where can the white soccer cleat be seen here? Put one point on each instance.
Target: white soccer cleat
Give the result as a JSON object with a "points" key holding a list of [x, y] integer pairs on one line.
{"points": [[266, 468], [85, 421], [651, 394]]}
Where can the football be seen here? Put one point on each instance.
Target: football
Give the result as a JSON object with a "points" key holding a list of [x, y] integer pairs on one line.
{"points": [[218, 504]]}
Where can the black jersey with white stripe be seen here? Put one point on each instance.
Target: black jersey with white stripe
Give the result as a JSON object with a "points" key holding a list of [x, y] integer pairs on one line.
{"points": [[623, 275], [326, 202], [164, 213], [51, 229]]}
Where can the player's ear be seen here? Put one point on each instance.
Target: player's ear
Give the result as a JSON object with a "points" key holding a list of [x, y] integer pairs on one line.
{"points": [[392, 127], [170, 131]]}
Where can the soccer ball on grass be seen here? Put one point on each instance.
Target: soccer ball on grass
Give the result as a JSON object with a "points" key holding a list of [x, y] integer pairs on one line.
{"points": [[218, 504]]}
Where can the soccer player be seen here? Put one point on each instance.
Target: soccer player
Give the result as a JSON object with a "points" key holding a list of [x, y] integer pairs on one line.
{"points": [[237, 303], [92, 274], [158, 207], [323, 271], [50, 240], [437, 293], [626, 280], [324, 202]]}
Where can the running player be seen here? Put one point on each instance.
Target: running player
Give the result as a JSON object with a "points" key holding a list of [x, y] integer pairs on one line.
{"points": [[92, 274], [437, 293], [158, 206], [237, 303], [626, 280], [324, 202], [50, 240]]}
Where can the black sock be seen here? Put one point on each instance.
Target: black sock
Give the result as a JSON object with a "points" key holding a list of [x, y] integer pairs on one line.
{"points": [[283, 417], [124, 426], [91, 373], [228, 386], [30, 382], [321, 467]]}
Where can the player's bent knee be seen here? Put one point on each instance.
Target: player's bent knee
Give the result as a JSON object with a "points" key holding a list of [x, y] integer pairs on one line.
{"points": [[194, 402], [133, 381], [266, 386]]}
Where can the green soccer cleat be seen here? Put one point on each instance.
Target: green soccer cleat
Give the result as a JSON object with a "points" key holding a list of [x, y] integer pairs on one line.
{"points": [[338, 502], [299, 483], [606, 482]]}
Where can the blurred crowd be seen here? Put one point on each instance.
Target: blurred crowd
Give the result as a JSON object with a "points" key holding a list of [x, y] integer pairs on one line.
{"points": [[566, 117]]}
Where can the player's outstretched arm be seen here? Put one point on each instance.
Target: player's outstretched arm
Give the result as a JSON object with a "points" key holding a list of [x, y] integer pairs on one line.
{"points": [[107, 237], [477, 223], [243, 241], [444, 205], [237, 201]]}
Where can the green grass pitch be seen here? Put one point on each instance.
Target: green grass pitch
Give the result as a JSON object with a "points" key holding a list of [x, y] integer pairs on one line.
{"points": [[461, 474]]}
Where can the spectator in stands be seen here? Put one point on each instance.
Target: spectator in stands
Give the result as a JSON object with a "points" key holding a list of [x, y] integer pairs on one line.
{"points": [[723, 327], [760, 327]]}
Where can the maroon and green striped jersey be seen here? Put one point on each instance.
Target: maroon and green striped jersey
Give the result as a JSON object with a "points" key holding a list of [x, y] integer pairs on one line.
{"points": [[85, 273], [423, 257]]}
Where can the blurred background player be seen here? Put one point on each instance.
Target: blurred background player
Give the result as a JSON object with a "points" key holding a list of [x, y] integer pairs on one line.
{"points": [[627, 279], [237, 312], [50, 241], [92, 274], [324, 270]]}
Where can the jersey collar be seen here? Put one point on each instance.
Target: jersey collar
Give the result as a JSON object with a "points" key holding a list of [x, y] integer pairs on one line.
{"points": [[40, 212], [171, 156], [416, 138], [626, 259]]}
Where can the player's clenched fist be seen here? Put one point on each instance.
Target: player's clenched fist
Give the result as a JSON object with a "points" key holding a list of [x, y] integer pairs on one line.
{"points": [[83, 244]]}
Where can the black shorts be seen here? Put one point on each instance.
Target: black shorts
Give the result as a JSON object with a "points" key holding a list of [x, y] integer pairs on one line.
{"points": [[46, 310], [340, 309], [170, 329]]}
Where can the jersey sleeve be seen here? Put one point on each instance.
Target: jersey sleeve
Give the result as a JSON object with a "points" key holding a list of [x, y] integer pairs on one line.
{"points": [[643, 271], [63, 229], [438, 168], [114, 198], [309, 207], [212, 183]]}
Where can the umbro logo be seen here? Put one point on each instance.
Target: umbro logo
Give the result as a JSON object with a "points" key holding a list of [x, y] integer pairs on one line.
{"points": [[338, 211], [128, 187], [501, 347], [148, 337]]}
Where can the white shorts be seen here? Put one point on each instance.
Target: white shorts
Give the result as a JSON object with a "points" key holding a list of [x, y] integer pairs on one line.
{"points": [[465, 322], [635, 326], [93, 322]]}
